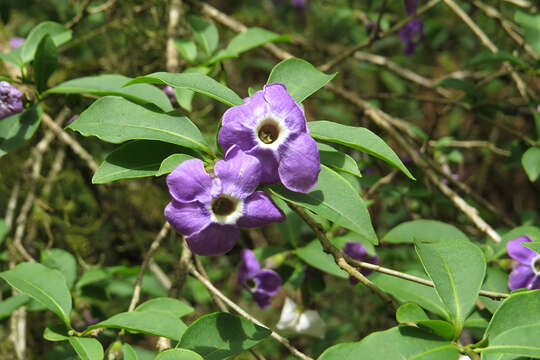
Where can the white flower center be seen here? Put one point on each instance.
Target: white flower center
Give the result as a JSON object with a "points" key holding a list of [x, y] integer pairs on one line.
{"points": [[226, 209], [270, 132]]}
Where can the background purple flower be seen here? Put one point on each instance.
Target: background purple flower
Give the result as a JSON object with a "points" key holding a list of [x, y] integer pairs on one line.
{"points": [[527, 273], [413, 32], [271, 126], [358, 252], [16, 42], [11, 100], [210, 210], [171, 94], [261, 283]]}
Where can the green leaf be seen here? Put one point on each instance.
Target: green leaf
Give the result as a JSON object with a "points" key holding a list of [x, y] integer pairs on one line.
{"points": [[357, 138], [111, 84], [148, 322], [166, 305], [515, 326], [423, 230], [411, 313], [187, 49], [87, 348], [398, 343], [135, 159], [247, 40], [335, 199], [17, 129], [129, 353], [338, 160], [531, 163], [221, 335], [47, 286], [193, 81], [499, 56], [13, 57], [535, 246], [457, 268], [314, 255], [496, 280], [205, 32], [3, 230], [58, 33], [7, 306], [466, 86], [171, 162], [45, 62], [299, 77], [178, 354], [61, 260], [57, 332], [114, 119], [532, 29]]}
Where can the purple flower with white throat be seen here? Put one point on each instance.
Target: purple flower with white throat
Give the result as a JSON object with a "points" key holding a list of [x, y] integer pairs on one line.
{"points": [[271, 126], [11, 100], [210, 210], [413, 32], [357, 251], [261, 283], [527, 273]]}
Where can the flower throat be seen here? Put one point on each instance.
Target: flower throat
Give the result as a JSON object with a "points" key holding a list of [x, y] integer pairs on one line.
{"points": [[268, 133], [223, 206]]}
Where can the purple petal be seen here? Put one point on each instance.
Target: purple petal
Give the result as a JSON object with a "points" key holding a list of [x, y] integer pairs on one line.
{"points": [[239, 173], [249, 266], [535, 283], [11, 100], [284, 107], [214, 240], [262, 300], [411, 34], [299, 164], [519, 252], [411, 6], [259, 210], [16, 42], [187, 218], [520, 277], [269, 282], [189, 181], [269, 164], [355, 250]]}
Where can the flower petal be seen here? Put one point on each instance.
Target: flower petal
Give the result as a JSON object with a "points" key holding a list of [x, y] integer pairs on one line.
{"points": [[187, 218], [283, 106], [289, 315], [213, 240], [269, 282], [520, 277], [239, 173], [259, 210], [535, 283], [189, 181], [269, 164], [262, 300], [310, 323], [299, 163], [355, 250], [519, 252], [249, 266]]}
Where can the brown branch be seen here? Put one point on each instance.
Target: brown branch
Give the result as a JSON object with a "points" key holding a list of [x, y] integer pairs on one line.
{"points": [[175, 13], [471, 144], [77, 19]]}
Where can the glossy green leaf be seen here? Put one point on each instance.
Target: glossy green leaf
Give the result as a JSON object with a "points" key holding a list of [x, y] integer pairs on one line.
{"points": [[166, 305], [398, 343], [58, 33], [57, 332], [187, 49], [193, 81], [7, 306], [45, 62], [45, 285], [171, 162], [114, 119], [178, 354], [357, 138], [87, 348], [61, 260], [300, 77], [457, 268], [515, 326], [314, 255], [221, 335], [531, 163], [135, 159], [129, 353], [496, 280], [335, 199], [205, 32], [423, 230], [411, 313], [338, 160], [111, 84], [476, 320], [17, 129], [156, 323]]}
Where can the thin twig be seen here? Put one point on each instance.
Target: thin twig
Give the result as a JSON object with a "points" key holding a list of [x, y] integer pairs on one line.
{"points": [[79, 16], [102, 7], [471, 144]]}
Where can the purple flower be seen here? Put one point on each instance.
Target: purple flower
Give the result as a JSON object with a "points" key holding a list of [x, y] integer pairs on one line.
{"points": [[271, 126], [261, 283], [16, 42], [170, 92], [11, 100], [411, 34], [299, 4], [358, 252], [209, 210], [527, 273]]}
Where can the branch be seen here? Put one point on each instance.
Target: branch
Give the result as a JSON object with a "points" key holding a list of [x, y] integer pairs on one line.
{"points": [[77, 19], [470, 144], [175, 13]]}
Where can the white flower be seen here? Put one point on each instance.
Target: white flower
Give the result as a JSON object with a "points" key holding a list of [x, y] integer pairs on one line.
{"points": [[464, 357], [307, 322]]}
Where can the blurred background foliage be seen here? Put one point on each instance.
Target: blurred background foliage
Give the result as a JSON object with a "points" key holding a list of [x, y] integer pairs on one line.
{"points": [[111, 226]]}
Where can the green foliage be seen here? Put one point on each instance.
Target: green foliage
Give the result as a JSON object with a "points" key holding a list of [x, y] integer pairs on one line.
{"points": [[338, 160], [205, 32], [166, 305], [178, 354], [87, 348], [531, 163], [57, 32], [424, 231], [17, 129], [45, 62]]}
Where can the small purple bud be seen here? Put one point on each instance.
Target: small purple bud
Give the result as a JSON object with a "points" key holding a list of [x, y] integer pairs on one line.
{"points": [[16, 42], [370, 26], [357, 251], [11, 100], [169, 91]]}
